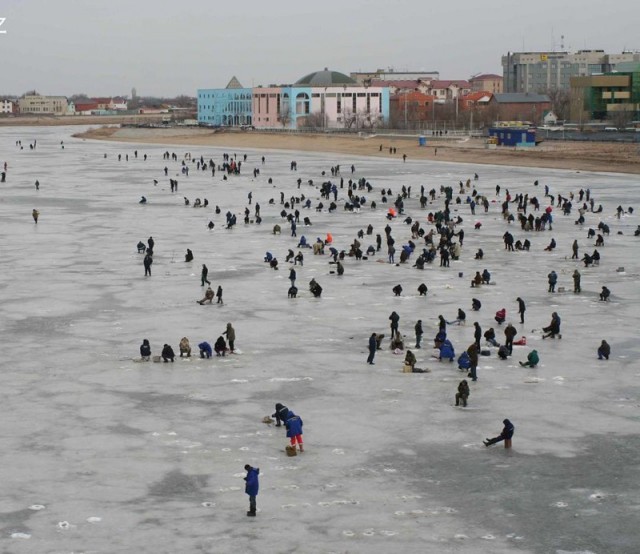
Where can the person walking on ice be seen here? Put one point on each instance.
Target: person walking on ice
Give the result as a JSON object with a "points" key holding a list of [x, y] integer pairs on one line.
{"points": [[252, 487], [506, 435], [148, 260], [203, 275]]}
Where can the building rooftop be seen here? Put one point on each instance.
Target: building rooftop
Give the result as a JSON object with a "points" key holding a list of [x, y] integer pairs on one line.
{"points": [[485, 76], [326, 78]]}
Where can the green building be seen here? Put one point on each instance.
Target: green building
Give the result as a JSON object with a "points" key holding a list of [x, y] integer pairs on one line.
{"points": [[613, 96]]}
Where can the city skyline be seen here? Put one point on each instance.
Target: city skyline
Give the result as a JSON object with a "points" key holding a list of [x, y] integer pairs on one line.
{"points": [[70, 47]]}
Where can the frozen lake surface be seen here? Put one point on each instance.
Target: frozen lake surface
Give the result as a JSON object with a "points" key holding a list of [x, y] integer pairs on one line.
{"points": [[103, 454]]}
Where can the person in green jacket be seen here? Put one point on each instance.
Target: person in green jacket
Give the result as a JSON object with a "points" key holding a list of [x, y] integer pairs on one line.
{"points": [[532, 359]]}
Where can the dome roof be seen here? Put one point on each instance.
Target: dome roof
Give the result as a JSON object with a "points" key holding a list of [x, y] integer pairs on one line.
{"points": [[326, 78]]}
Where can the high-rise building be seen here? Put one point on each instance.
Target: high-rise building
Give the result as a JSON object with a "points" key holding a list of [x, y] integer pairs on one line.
{"points": [[539, 72]]}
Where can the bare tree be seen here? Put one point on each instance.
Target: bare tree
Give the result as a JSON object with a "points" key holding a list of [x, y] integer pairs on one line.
{"points": [[370, 119], [79, 97], [284, 117], [622, 118], [560, 102], [313, 121], [348, 118]]}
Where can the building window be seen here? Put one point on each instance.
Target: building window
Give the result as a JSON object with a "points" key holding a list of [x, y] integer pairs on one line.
{"points": [[302, 103]]}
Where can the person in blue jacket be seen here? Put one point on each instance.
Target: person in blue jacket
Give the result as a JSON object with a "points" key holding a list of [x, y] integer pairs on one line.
{"points": [[447, 351], [464, 363], [506, 435], [294, 430], [252, 487], [205, 350]]}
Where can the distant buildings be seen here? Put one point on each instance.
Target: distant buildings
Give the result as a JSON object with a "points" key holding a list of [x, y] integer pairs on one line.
{"points": [[7, 106], [36, 104], [520, 106], [546, 71], [489, 82], [323, 99], [367, 78], [230, 106]]}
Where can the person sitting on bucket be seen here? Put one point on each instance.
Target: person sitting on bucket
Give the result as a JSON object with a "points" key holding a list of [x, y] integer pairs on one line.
{"points": [[506, 435], [532, 359]]}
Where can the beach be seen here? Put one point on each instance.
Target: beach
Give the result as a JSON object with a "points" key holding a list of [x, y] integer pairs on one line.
{"points": [[605, 157]]}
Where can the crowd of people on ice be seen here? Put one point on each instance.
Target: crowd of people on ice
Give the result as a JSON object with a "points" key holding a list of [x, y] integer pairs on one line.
{"points": [[434, 233]]}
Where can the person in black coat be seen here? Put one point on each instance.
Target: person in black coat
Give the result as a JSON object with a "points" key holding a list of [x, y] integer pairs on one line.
{"points": [[167, 353], [220, 346], [521, 308], [373, 346], [148, 260], [419, 333], [203, 275], [477, 333], [506, 435], [604, 350], [395, 319], [280, 414], [145, 350], [604, 295]]}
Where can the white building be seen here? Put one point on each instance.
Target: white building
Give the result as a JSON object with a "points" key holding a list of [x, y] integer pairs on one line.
{"points": [[43, 105], [6, 106]]}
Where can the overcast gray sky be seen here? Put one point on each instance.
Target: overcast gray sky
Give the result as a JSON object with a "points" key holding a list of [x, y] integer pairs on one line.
{"points": [[105, 47]]}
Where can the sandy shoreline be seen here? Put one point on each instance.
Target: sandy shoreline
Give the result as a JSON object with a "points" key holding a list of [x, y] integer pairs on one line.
{"points": [[596, 156]]}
